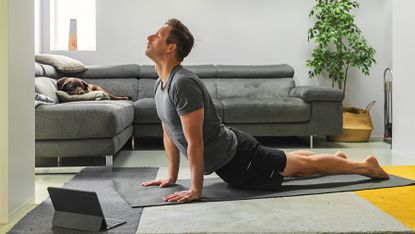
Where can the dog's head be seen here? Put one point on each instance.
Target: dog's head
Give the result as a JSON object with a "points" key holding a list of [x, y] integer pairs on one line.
{"points": [[72, 86]]}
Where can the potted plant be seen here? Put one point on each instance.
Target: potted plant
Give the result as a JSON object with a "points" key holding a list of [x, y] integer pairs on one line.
{"points": [[340, 46], [340, 43]]}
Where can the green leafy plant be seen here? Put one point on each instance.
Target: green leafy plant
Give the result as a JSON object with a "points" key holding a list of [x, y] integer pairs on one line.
{"points": [[340, 43]]}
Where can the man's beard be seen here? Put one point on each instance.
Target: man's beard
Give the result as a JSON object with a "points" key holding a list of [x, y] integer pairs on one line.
{"points": [[155, 55], [148, 54]]}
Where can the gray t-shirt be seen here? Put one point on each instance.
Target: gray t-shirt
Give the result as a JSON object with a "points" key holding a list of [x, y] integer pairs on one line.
{"points": [[185, 93]]}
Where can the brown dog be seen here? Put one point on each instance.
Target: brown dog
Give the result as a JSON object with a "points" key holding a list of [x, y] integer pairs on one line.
{"points": [[76, 86]]}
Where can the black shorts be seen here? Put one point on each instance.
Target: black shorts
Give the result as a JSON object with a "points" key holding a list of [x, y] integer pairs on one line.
{"points": [[254, 166]]}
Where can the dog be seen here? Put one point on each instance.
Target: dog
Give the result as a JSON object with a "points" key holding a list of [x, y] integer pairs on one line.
{"points": [[76, 86]]}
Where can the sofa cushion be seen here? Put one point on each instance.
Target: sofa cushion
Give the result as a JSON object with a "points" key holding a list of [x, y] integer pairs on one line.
{"points": [[210, 86], [49, 71], [254, 88], [83, 120], [62, 63], [146, 88], [46, 86], [145, 111], [117, 86], [219, 107], [39, 70], [265, 110]]}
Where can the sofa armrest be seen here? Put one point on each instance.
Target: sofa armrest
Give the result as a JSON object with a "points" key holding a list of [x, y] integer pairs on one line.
{"points": [[316, 93]]}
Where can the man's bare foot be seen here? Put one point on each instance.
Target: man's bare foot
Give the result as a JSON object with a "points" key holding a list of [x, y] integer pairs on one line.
{"points": [[340, 154], [374, 169]]}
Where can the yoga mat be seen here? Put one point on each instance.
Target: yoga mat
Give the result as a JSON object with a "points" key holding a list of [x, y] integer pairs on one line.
{"points": [[217, 190], [98, 179]]}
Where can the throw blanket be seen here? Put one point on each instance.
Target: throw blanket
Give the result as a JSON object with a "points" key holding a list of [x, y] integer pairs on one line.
{"points": [[90, 96], [41, 99]]}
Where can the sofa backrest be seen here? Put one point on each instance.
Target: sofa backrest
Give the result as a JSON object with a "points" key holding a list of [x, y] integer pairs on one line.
{"points": [[207, 73], [119, 80], [222, 81], [269, 81], [148, 77]]}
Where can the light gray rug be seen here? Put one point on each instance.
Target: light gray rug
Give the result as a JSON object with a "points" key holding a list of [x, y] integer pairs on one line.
{"points": [[216, 190], [337, 213], [98, 179]]}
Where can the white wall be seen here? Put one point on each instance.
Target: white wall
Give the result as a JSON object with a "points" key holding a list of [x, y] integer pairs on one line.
{"points": [[404, 77], [374, 18], [4, 120], [237, 32], [38, 26], [21, 134]]}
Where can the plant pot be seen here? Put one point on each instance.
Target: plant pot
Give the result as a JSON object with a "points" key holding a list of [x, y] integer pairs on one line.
{"points": [[357, 125]]}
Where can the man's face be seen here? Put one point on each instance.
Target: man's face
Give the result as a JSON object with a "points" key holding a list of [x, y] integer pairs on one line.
{"points": [[157, 46]]}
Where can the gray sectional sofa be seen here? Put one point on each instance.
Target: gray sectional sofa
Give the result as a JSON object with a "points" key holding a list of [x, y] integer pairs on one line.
{"points": [[261, 100]]}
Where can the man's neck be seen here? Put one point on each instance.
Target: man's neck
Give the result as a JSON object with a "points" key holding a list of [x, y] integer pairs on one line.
{"points": [[164, 69]]}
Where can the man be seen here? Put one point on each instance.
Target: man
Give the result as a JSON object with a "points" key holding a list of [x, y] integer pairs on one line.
{"points": [[192, 127]]}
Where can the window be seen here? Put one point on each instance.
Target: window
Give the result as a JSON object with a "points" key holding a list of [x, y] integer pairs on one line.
{"points": [[73, 25]]}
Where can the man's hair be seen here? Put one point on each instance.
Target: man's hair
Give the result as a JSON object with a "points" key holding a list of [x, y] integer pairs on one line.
{"points": [[181, 36]]}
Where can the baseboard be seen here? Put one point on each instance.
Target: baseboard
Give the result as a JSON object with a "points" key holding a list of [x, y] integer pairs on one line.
{"points": [[21, 211], [22, 208], [57, 170]]}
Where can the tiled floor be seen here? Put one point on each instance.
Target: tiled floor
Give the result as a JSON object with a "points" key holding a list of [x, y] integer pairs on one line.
{"points": [[150, 153]]}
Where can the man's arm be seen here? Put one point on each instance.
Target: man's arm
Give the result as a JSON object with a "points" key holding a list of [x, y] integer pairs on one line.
{"points": [[173, 157], [192, 124]]}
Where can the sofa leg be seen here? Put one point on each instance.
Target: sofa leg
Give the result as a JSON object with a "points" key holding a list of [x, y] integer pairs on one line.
{"points": [[133, 143], [108, 160], [59, 161], [311, 142]]}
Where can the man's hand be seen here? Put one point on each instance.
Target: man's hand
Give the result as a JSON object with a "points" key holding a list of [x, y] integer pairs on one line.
{"points": [[162, 183], [182, 196]]}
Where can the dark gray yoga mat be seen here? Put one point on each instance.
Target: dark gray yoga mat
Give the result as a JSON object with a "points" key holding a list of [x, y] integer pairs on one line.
{"points": [[99, 179], [217, 190]]}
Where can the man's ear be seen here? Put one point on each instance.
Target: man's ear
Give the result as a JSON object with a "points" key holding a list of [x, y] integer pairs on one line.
{"points": [[172, 48]]}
